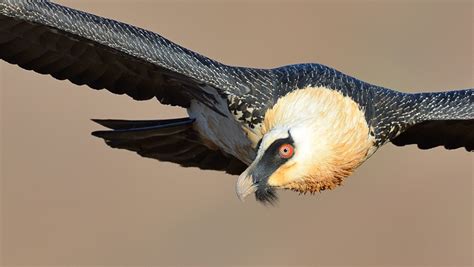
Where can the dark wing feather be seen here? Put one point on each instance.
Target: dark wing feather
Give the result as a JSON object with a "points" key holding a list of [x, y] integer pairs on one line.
{"points": [[168, 140], [451, 134], [102, 53]]}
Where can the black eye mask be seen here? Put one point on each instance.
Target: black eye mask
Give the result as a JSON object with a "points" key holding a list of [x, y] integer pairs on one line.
{"points": [[267, 165]]}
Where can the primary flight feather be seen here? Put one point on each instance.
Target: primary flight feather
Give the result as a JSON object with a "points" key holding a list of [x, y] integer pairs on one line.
{"points": [[302, 127]]}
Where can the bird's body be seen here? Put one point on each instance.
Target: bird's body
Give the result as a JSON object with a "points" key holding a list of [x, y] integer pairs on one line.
{"points": [[303, 127]]}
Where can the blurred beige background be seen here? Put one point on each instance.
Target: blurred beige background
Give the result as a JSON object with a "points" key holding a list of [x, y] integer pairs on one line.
{"points": [[68, 199]]}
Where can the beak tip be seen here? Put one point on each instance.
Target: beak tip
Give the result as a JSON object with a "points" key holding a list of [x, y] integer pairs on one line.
{"points": [[241, 198], [242, 194], [245, 186]]}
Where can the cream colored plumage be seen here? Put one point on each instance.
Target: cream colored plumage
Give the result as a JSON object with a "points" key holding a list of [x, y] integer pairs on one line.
{"points": [[331, 139]]}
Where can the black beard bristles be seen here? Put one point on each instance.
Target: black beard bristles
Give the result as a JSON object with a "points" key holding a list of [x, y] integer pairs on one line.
{"points": [[267, 196]]}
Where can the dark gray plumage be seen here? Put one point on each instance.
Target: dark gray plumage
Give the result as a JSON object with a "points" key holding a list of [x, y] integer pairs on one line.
{"points": [[171, 140], [102, 53]]}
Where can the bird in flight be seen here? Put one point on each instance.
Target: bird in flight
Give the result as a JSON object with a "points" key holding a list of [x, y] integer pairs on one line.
{"points": [[303, 127]]}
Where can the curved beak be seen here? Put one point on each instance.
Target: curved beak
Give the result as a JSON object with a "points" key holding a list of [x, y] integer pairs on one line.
{"points": [[245, 184]]}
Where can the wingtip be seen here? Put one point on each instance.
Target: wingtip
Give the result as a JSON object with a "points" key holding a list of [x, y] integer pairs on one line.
{"points": [[98, 121], [99, 134], [107, 123]]}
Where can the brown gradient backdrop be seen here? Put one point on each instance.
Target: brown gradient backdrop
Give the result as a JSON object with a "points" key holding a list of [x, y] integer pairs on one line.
{"points": [[69, 199]]}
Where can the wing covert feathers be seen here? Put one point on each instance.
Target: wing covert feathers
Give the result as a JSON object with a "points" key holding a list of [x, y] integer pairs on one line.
{"points": [[441, 119], [102, 53]]}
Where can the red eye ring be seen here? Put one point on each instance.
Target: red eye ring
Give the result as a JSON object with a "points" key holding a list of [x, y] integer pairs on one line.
{"points": [[286, 151]]}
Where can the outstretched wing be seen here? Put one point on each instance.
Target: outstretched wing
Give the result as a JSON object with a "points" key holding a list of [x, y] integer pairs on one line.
{"points": [[451, 134], [102, 53], [440, 119], [105, 54], [172, 140]]}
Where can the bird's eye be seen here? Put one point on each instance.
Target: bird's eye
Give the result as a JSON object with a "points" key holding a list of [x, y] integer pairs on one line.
{"points": [[286, 151]]}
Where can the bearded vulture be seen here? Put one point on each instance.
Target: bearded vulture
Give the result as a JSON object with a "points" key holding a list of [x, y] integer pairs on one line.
{"points": [[303, 127]]}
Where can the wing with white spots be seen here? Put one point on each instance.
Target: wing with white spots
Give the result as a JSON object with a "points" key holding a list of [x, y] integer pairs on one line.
{"points": [[102, 53], [441, 119]]}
